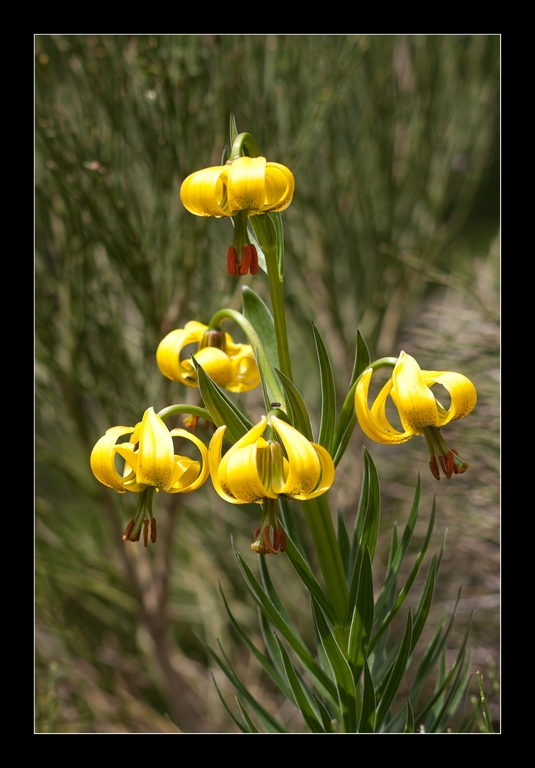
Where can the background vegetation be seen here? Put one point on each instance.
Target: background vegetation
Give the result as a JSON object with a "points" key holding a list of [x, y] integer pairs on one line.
{"points": [[393, 230]]}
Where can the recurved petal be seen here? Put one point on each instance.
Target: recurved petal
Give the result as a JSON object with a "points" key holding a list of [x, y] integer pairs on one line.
{"points": [[245, 374], [462, 392], [170, 347], [326, 475], [280, 186], [373, 422], [188, 475], [214, 461], [413, 399], [246, 473], [156, 452], [304, 466], [246, 184], [214, 362], [103, 461], [204, 192]]}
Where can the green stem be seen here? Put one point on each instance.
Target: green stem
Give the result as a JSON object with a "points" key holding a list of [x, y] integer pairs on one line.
{"points": [[193, 410], [319, 520], [244, 144], [275, 283], [256, 344]]}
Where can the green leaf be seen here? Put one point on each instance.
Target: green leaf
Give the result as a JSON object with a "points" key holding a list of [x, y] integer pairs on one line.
{"points": [[298, 688], [409, 725], [271, 671], [260, 318], [405, 591], [329, 723], [288, 517], [251, 725], [298, 410], [341, 670], [343, 543], [241, 725], [398, 552], [328, 394], [309, 580], [362, 620], [398, 670], [367, 523], [424, 604], [367, 713], [233, 129], [222, 411], [273, 615], [269, 722], [348, 418]]}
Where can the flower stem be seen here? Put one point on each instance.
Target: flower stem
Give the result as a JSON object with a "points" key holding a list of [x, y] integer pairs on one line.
{"points": [[193, 410], [256, 344], [275, 283]]}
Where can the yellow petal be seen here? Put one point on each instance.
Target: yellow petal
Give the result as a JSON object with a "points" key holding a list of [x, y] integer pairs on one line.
{"points": [[214, 362], [188, 475], [156, 452], [245, 374], [462, 392], [214, 460], [373, 422], [246, 184], [204, 192], [413, 399], [247, 473], [170, 347], [280, 186], [103, 462], [304, 466]]}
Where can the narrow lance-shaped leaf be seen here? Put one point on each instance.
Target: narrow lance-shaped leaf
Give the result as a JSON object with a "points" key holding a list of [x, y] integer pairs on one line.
{"points": [[222, 411], [260, 318], [328, 394], [367, 713], [362, 621], [348, 418], [298, 410], [341, 671], [301, 698], [398, 670]]}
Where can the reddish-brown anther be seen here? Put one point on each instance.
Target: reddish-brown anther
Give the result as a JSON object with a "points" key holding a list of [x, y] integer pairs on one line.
{"points": [[245, 262], [145, 532], [128, 530], [254, 260], [232, 267], [279, 539], [153, 530], [434, 468]]}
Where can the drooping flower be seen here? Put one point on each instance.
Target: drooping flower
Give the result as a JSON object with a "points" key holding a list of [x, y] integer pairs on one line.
{"points": [[150, 464], [232, 366], [419, 410], [258, 468], [246, 186]]}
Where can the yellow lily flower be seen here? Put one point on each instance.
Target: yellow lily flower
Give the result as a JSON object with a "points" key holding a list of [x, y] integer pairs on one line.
{"points": [[419, 410], [150, 464], [259, 470], [246, 186], [232, 366]]}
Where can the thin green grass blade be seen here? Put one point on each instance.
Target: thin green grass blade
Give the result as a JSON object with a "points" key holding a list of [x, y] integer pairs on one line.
{"points": [[450, 700], [246, 717], [362, 621], [301, 699], [273, 615], [309, 580], [298, 410], [328, 394], [222, 411], [483, 698], [341, 670], [241, 725], [367, 713], [269, 669], [405, 590], [395, 677]]}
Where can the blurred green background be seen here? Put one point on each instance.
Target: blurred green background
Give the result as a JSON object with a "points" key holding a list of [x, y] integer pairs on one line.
{"points": [[394, 230]]}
